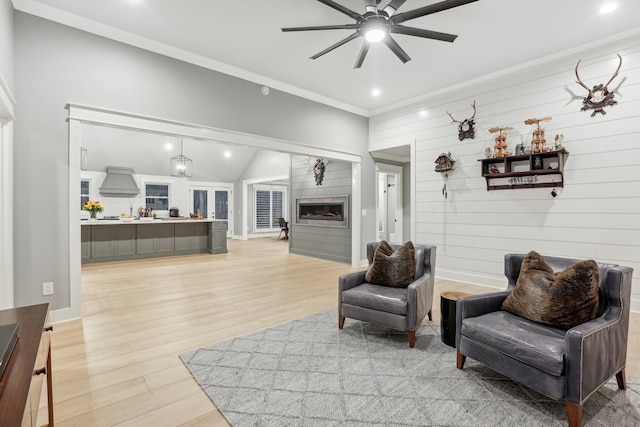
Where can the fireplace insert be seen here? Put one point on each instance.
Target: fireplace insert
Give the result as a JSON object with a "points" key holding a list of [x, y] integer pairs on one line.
{"points": [[323, 211]]}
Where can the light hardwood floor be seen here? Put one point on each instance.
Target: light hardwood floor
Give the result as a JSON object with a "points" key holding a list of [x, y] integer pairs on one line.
{"points": [[119, 364]]}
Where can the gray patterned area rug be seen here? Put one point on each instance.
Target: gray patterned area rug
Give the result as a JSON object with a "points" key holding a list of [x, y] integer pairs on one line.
{"points": [[309, 373]]}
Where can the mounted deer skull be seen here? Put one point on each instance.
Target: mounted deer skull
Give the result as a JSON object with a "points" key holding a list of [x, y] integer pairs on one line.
{"points": [[317, 168], [599, 97], [465, 128]]}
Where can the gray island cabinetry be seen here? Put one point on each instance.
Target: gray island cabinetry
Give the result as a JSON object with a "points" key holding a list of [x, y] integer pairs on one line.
{"points": [[117, 240]]}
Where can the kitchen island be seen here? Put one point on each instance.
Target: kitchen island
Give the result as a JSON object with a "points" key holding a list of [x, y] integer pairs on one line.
{"points": [[116, 240]]}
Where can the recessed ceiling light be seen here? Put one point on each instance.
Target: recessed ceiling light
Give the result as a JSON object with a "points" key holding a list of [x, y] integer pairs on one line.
{"points": [[375, 92], [227, 154], [423, 113], [608, 7], [168, 146]]}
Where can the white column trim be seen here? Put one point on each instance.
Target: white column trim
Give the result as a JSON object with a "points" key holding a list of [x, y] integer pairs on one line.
{"points": [[74, 311], [356, 209], [7, 105], [6, 217], [412, 191]]}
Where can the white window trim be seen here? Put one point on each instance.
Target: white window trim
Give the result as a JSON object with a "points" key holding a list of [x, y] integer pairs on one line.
{"points": [[93, 178], [270, 188], [144, 181]]}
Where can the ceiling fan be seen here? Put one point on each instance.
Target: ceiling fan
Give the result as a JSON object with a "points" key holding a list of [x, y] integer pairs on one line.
{"points": [[377, 25]]}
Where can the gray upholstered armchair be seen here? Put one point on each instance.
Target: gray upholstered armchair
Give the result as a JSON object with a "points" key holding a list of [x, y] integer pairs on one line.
{"points": [[396, 308], [567, 365]]}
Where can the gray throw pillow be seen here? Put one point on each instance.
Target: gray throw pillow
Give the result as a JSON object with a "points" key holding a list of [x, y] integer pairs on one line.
{"points": [[392, 268], [564, 300]]}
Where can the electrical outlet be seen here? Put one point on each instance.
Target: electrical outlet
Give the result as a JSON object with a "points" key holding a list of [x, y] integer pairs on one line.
{"points": [[47, 288]]}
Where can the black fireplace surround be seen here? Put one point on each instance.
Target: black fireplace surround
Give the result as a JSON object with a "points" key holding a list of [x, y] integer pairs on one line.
{"points": [[323, 211]]}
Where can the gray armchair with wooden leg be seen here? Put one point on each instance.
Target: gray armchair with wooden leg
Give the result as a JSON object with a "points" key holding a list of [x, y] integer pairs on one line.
{"points": [[401, 308], [565, 364]]}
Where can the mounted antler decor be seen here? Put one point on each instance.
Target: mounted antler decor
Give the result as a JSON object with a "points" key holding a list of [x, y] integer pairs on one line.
{"points": [[318, 169], [599, 97], [465, 128]]}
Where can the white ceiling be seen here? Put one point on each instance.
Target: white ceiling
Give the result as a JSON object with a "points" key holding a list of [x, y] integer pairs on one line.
{"points": [[150, 154], [243, 38]]}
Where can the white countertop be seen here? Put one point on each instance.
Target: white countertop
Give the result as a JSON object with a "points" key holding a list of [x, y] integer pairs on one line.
{"points": [[155, 221]]}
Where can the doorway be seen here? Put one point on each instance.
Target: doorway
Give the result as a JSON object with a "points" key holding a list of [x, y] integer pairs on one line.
{"points": [[389, 211], [213, 203], [80, 115]]}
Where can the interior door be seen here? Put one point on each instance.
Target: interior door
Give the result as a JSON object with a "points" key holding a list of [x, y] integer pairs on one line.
{"points": [[389, 209], [213, 203]]}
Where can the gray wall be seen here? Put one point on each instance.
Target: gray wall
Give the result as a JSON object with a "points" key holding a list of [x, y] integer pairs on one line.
{"points": [[55, 65], [323, 242], [6, 42]]}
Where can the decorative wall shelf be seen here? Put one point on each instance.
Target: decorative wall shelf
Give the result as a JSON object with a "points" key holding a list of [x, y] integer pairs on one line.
{"points": [[535, 170]]}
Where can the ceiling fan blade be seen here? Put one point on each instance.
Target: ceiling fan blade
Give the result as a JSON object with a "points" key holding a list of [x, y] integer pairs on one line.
{"points": [[340, 43], [371, 6], [393, 6], [427, 34], [341, 8], [395, 48], [321, 27], [428, 10], [363, 53]]}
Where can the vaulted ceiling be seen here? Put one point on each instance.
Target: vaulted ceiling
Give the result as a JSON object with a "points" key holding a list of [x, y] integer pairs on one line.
{"points": [[244, 38]]}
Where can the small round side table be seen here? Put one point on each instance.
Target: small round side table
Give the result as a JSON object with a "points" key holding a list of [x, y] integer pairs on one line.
{"points": [[448, 301]]}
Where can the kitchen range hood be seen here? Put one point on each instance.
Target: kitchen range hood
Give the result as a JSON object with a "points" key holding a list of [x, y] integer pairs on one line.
{"points": [[119, 181]]}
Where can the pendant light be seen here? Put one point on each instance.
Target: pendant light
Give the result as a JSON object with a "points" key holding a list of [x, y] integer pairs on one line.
{"points": [[181, 165]]}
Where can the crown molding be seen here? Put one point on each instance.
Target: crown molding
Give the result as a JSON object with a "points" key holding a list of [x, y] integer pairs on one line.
{"points": [[508, 71]]}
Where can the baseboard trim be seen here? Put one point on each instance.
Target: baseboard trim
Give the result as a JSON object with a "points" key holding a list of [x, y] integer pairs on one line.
{"points": [[322, 255], [63, 315]]}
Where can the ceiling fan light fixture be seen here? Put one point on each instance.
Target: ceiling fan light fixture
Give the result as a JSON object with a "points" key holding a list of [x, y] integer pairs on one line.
{"points": [[374, 29], [377, 25], [375, 35]]}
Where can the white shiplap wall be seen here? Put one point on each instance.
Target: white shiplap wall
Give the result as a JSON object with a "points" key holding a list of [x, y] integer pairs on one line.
{"points": [[594, 216]]}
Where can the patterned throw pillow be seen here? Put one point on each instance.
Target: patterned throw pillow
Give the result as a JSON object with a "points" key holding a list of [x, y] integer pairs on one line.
{"points": [[564, 300], [392, 268]]}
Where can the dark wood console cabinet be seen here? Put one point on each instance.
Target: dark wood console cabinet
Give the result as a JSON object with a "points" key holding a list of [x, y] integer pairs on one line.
{"points": [[533, 170], [30, 362]]}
